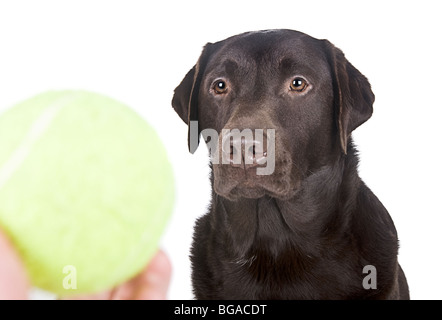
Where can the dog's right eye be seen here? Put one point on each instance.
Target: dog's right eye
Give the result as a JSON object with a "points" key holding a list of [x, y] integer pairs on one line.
{"points": [[298, 85], [220, 87]]}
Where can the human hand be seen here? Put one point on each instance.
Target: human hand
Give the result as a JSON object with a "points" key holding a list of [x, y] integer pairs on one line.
{"points": [[150, 284]]}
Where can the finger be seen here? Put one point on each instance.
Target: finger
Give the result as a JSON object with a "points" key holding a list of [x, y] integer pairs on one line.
{"points": [[14, 283], [156, 279], [151, 284]]}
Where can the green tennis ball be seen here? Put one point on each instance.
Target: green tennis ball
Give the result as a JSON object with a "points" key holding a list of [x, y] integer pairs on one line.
{"points": [[86, 190]]}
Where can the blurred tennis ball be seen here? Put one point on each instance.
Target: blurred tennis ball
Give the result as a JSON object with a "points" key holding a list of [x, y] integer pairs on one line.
{"points": [[86, 190]]}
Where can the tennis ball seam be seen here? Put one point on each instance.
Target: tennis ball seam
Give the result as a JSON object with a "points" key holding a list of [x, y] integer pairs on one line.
{"points": [[35, 132]]}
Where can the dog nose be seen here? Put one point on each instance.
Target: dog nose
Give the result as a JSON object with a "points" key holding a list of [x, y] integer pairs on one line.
{"points": [[244, 150]]}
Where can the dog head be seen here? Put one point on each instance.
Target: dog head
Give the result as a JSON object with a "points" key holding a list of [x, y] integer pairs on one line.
{"points": [[273, 106]]}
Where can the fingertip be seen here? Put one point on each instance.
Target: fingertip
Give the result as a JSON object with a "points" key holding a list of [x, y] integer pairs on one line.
{"points": [[161, 263], [156, 278]]}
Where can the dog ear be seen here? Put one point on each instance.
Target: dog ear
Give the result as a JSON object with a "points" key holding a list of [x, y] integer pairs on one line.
{"points": [[185, 99], [353, 98]]}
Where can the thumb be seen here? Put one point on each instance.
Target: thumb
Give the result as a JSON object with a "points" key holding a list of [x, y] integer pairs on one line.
{"points": [[14, 283]]}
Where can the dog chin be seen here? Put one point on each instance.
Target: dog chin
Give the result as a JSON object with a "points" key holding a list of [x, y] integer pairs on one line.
{"points": [[245, 190], [250, 193]]}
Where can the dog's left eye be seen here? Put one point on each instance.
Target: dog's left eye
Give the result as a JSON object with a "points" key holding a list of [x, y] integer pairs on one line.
{"points": [[220, 87], [298, 84]]}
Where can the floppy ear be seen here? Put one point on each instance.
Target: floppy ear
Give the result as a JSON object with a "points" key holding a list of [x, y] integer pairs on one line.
{"points": [[185, 98], [353, 98]]}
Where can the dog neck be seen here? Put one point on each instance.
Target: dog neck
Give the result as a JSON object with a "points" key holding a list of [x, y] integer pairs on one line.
{"points": [[320, 208]]}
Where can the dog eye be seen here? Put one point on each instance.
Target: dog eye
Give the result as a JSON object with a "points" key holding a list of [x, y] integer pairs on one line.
{"points": [[298, 84], [220, 87]]}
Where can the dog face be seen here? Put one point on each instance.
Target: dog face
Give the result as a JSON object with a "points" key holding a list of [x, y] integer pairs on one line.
{"points": [[277, 100]]}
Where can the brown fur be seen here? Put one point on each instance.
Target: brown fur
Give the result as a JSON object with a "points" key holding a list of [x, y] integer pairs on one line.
{"points": [[307, 230]]}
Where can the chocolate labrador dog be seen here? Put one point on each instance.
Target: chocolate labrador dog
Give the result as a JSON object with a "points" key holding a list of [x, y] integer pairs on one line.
{"points": [[290, 218]]}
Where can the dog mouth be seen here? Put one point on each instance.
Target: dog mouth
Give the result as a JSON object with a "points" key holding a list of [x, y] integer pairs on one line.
{"points": [[245, 190], [235, 183]]}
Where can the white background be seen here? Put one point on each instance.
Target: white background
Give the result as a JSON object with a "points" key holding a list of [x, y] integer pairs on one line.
{"points": [[138, 52]]}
